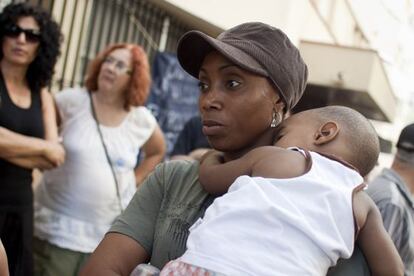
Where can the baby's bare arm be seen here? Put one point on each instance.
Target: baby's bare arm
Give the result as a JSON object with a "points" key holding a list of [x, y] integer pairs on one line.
{"points": [[269, 161], [376, 244], [217, 176]]}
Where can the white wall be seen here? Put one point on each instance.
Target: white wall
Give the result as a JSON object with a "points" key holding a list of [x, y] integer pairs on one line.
{"points": [[227, 13], [329, 21], [389, 26], [294, 17]]}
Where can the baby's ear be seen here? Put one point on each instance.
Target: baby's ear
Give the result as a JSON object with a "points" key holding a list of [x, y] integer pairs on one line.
{"points": [[326, 133]]}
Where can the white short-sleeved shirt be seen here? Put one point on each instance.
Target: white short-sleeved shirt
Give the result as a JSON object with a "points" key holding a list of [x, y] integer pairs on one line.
{"points": [[76, 203]]}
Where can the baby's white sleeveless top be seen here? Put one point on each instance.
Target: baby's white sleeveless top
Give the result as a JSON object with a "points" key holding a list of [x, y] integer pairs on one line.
{"points": [[262, 226]]}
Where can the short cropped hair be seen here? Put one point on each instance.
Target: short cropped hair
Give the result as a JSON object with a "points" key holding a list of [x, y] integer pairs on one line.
{"points": [[40, 71], [139, 86], [360, 135]]}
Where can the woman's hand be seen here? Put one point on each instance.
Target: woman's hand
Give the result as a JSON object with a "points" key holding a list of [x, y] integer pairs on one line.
{"points": [[198, 154], [212, 157], [30, 152], [55, 153]]}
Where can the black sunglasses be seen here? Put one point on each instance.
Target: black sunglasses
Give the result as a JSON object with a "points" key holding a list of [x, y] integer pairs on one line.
{"points": [[14, 31]]}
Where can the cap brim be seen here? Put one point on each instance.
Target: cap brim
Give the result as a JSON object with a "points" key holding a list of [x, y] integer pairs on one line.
{"points": [[194, 46]]}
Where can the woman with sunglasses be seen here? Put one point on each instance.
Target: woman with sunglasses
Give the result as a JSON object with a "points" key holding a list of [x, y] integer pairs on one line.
{"points": [[30, 42], [104, 126]]}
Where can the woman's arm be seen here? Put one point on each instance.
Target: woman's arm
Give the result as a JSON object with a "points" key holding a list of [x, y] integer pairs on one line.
{"points": [[31, 152], [15, 147], [374, 241], [13, 144], [4, 267], [121, 261], [32, 162], [49, 116], [154, 151]]}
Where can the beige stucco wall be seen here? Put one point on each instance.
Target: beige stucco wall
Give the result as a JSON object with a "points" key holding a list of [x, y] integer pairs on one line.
{"points": [[289, 16], [329, 21]]}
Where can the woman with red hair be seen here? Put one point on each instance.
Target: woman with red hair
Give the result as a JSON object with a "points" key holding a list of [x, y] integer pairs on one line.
{"points": [[104, 126]]}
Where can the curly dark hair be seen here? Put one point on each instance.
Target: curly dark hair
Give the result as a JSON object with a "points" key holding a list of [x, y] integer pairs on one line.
{"points": [[40, 71]]}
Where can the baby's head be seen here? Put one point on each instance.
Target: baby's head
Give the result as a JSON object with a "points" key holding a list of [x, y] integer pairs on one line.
{"points": [[336, 130]]}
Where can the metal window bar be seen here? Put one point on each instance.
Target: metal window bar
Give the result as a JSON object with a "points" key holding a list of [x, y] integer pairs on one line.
{"points": [[69, 37], [110, 24], [78, 48], [89, 42]]}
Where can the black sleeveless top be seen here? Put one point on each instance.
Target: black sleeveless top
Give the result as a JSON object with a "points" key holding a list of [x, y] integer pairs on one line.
{"points": [[15, 181]]}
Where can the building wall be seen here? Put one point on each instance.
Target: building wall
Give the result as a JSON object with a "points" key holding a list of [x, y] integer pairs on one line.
{"points": [[330, 21]]}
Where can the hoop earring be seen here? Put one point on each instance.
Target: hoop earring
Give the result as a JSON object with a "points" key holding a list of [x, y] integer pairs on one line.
{"points": [[275, 119]]}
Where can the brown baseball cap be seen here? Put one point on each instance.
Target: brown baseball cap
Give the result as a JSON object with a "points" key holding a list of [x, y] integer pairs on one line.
{"points": [[256, 47]]}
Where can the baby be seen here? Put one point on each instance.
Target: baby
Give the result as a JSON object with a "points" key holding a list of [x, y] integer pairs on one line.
{"points": [[294, 208]]}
